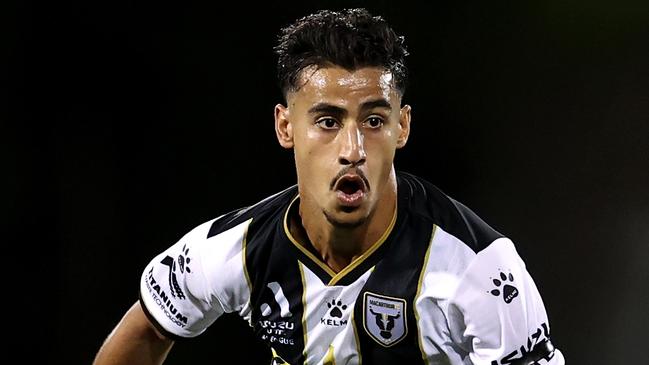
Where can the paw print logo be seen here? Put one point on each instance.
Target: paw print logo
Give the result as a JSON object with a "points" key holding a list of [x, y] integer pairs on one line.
{"points": [[336, 311], [183, 260], [181, 263], [505, 286]]}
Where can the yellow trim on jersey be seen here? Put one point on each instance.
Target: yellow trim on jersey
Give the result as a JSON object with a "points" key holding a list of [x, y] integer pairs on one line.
{"points": [[277, 358], [244, 243], [336, 277], [329, 358], [304, 309], [420, 338]]}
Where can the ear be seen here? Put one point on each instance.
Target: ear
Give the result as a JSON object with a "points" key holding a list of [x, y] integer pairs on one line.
{"points": [[404, 126], [283, 127]]}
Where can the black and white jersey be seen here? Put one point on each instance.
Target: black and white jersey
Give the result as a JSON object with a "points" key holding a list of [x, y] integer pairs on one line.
{"points": [[439, 287]]}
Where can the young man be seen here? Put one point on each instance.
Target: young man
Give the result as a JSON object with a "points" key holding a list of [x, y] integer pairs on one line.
{"points": [[356, 263]]}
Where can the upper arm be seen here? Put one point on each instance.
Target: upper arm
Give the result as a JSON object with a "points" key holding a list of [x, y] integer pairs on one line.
{"points": [[186, 288], [499, 311]]}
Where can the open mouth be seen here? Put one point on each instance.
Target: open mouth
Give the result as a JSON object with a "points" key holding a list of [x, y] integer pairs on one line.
{"points": [[350, 190], [349, 184]]}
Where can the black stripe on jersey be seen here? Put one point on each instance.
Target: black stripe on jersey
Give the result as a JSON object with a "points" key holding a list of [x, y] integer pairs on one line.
{"points": [[395, 278], [450, 215], [270, 265], [277, 288]]}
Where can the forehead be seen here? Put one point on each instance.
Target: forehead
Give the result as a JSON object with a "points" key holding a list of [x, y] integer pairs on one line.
{"points": [[340, 86]]}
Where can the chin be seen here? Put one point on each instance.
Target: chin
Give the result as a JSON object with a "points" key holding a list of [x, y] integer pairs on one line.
{"points": [[346, 218]]}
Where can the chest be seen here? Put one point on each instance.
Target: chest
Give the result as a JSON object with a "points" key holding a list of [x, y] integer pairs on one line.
{"points": [[305, 314]]}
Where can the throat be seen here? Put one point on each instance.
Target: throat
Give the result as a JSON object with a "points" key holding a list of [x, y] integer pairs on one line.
{"points": [[336, 245], [338, 263], [336, 248]]}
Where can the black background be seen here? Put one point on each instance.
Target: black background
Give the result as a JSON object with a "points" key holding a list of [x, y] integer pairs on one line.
{"points": [[128, 123]]}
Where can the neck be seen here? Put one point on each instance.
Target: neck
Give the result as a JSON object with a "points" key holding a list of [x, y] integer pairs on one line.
{"points": [[339, 246]]}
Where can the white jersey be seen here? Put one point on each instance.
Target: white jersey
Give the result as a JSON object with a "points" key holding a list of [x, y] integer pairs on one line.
{"points": [[439, 287]]}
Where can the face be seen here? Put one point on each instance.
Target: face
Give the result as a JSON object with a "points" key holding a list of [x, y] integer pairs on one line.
{"points": [[344, 127]]}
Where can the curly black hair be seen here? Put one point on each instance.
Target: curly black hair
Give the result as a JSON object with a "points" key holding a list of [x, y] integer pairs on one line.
{"points": [[350, 38]]}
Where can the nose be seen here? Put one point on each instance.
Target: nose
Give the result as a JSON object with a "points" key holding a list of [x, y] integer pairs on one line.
{"points": [[352, 149]]}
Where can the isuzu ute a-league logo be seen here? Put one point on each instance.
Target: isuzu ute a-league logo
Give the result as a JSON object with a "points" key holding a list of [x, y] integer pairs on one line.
{"points": [[384, 318], [183, 266], [277, 330]]}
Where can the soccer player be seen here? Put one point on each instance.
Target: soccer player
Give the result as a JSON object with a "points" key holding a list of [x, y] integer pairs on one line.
{"points": [[357, 263]]}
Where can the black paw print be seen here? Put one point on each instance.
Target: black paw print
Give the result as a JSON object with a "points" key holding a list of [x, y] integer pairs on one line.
{"points": [[509, 291], [336, 310], [183, 260]]}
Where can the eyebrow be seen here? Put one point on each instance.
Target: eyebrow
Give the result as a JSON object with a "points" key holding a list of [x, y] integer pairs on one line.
{"points": [[326, 108], [378, 103]]}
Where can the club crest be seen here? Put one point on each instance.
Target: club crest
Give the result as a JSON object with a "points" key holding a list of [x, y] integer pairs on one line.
{"points": [[384, 318]]}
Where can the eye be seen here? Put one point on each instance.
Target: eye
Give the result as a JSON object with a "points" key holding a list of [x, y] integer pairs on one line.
{"points": [[327, 123], [373, 122]]}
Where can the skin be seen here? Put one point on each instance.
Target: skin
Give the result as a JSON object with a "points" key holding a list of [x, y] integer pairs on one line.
{"points": [[134, 341], [338, 120], [343, 121]]}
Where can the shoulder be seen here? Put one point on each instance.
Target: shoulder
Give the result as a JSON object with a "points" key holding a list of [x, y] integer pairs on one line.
{"points": [[266, 210], [426, 200], [222, 237]]}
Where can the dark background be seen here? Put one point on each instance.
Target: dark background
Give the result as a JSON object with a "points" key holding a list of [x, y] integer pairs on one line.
{"points": [[126, 124]]}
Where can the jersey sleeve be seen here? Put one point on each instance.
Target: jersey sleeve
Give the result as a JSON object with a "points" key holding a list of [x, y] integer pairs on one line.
{"points": [[186, 288], [498, 312]]}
